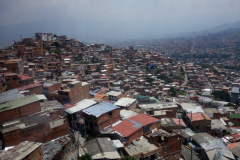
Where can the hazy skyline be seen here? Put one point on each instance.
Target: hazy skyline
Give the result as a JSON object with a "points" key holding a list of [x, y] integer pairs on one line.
{"points": [[129, 18]]}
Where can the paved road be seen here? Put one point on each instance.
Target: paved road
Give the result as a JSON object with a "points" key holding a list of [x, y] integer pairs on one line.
{"points": [[185, 79], [210, 85], [75, 151]]}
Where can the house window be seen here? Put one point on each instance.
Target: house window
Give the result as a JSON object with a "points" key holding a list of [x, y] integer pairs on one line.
{"points": [[14, 78], [197, 127], [109, 113], [165, 149]]}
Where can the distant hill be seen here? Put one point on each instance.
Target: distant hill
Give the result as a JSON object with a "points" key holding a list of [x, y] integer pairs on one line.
{"points": [[223, 27], [103, 31]]}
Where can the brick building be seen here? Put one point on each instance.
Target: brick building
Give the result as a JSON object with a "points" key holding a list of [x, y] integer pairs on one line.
{"points": [[235, 119], [25, 150], [101, 97], [114, 96], [14, 65], [39, 127], [36, 88], [134, 127], [101, 115], [199, 122], [14, 80], [3, 85], [29, 48], [169, 142], [75, 92], [50, 87], [44, 36], [20, 107]]}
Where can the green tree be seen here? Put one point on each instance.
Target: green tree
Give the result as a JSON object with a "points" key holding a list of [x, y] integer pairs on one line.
{"points": [[216, 72], [98, 70], [157, 71], [173, 91], [93, 60], [229, 105], [221, 95], [181, 70], [149, 79], [88, 138], [56, 51], [165, 78], [128, 158], [86, 71], [85, 157]]}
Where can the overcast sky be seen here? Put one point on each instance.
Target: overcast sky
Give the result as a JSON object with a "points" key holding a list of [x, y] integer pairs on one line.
{"points": [[18, 11], [167, 15]]}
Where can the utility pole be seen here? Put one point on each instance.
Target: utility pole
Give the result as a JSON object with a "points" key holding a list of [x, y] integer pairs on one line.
{"points": [[191, 149]]}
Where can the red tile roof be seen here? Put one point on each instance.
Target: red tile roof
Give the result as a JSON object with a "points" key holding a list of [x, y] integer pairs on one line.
{"points": [[232, 145], [126, 128], [177, 121], [104, 89], [29, 86], [104, 77], [236, 136], [24, 77], [195, 117], [143, 119]]}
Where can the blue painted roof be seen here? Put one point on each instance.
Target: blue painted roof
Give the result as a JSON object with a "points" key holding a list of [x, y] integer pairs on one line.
{"points": [[99, 109], [93, 93]]}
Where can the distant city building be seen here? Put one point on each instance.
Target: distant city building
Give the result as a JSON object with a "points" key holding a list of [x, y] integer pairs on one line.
{"points": [[44, 36]]}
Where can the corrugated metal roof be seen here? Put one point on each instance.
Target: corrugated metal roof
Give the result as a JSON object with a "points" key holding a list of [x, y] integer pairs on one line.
{"points": [[10, 95], [132, 124], [213, 144], [126, 127], [83, 104], [29, 86], [18, 103], [143, 119], [53, 147], [100, 148], [99, 109], [20, 151]]}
